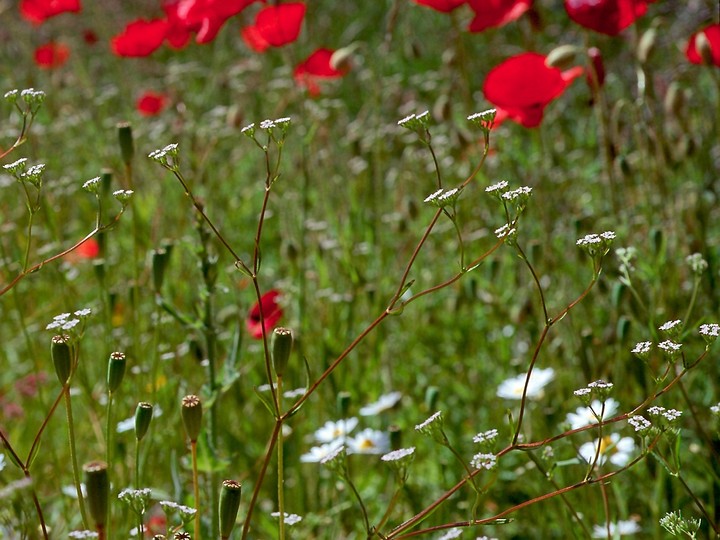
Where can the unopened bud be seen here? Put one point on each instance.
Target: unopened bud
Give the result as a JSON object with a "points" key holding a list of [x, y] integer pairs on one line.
{"points": [[229, 505], [192, 416], [61, 352], [282, 346], [143, 416], [116, 370], [561, 57], [97, 486]]}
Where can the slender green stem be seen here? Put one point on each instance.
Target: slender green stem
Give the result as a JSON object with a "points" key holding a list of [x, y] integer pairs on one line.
{"points": [[196, 488], [109, 455], [73, 457], [281, 472]]}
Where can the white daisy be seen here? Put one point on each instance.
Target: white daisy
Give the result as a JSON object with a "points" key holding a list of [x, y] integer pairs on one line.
{"points": [[384, 402], [621, 528], [335, 431], [318, 453], [369, 441], [513, 388], [618, 450], [584, 416]]}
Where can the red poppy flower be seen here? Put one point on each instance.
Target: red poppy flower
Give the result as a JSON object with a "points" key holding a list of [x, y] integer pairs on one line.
{"points": [[204, 17], [151, 103], [51, 55], [316, 67], [522, 86], [445, 6], [275, 25], [36, 11], [89, 249], [271, 311], [89, 36], [712, 36], [606, 16], [493, 13], [140, 38]]}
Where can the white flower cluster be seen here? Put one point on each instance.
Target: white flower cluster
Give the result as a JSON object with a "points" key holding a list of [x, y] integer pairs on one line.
{"points": [[64, 322], [288, 519], [669, 414], [521, 192], [414, 121], [483, 461], [668, 326], [486, 436], [442, 198], [162, 155], [596, 239], [397, 455], [669, 346], [642, 347], [639, 423], [497, 188], [710, 330], [170, 507]]}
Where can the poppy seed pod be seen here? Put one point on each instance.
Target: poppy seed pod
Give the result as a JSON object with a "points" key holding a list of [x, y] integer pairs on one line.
{"points": [[143, 416], [282, 346], [229, 505], [97, 485], [192, 416], [116, 370], [61, 353]]}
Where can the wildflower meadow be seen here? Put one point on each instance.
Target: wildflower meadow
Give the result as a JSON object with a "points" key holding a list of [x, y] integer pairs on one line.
{"points": [[376, 269]]}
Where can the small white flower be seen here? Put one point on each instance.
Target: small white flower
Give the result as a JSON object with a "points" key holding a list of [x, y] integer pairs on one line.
{"points": [[655, 410], [248, 129], [397, 455], [584, 416], [69, 325], [426, 423], [483, 461], [85, 312], [288, 519], [669, 346], [433, 196], [672, 414], [82, 534], [670, 325], [640, 423], [485, 436], [318, 453], [296, 393], [618, 450], [384, 402], [515, 193], [715, 409], [600, 385], [455, 532], [621, 528], [369, 441], [513, 388], [710, 330], [505, 230], [642, 348], [500, 186], [333, 454], [185, 510], [267, 124], [582, 391], [335, 431], [92, 185]]}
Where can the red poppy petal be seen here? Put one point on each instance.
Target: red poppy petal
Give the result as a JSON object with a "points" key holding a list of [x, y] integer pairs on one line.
{"points": [[608, 17], [494, 13], [254, 39], [445, 6], [37, 11], [51, 55], [151, 103], [140, 38], [272, 313], [280, 25]]}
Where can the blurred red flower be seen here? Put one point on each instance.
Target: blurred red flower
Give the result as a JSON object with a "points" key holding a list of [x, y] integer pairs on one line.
{"points": [[522, 86], [36, 11], [89, 36], [712, 36], [151, 103], [316, 67], [204, 17], [271, 311], [140, 38], [51, 55], [446, 6], [493, 13], [89, 249], [606, 16], [275, 26]]}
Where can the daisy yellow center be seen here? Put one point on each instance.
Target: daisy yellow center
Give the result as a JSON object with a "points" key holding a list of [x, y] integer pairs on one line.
{"points": [[367, 443]]}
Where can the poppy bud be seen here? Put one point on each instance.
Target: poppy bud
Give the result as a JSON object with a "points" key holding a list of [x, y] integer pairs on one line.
{"points": [[674, 99], [282, 346], [125, 138], [597, 78], [646, 45], [116, 370], [192, 416], [97, 485], [704, 48], [143, 416], [229, 505], [61, 353], [561, 57]]}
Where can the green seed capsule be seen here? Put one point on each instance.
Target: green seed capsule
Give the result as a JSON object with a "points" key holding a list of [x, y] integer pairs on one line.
{"points": [[116, 370], [143, 416], [229, 505], [192, 416], [282, 345], [61, 352], [97, 485]]}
